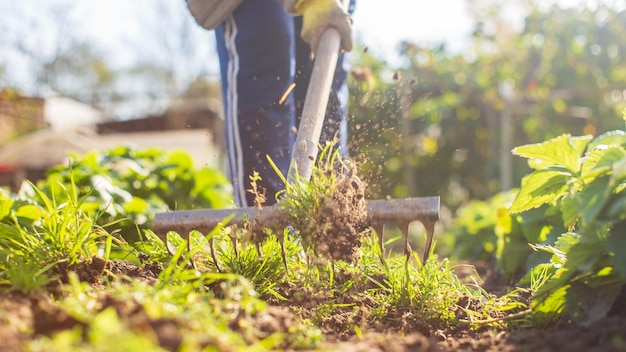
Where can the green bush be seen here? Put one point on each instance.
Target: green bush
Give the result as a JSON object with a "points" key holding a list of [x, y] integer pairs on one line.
{"points": [[128, 186], [472, 235], [486, 231]]}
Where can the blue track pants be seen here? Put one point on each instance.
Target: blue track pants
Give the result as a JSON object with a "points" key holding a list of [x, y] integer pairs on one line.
{"points": [[261, 55]]}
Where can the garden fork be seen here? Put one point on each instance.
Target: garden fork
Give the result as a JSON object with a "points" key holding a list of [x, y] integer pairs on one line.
{"points": [[380, 212]]}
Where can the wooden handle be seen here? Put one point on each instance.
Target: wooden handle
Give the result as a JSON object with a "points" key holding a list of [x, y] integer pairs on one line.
{"points": [[305, 149]]}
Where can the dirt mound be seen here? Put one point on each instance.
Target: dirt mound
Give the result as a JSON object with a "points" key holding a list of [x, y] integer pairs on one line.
{"points": [[342, 221]]}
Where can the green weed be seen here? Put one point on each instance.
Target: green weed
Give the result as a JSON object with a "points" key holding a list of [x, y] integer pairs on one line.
{"points": [[40, 242]]}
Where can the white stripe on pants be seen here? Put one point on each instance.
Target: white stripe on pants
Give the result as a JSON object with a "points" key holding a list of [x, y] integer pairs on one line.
{"points": [[235, 162]]}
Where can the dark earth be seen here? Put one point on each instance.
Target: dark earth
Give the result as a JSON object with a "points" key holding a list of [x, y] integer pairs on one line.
{"points": [[399, 331]]}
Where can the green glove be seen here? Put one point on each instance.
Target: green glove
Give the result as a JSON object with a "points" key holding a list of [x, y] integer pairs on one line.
{"points": [[317, 15]]}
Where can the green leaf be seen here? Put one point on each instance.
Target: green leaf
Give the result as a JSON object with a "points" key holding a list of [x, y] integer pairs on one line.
{"points": [[569, 210], [615, 245], [6, 204], [601, 160], [580, 144], [591, 200], [616, 209], [559, 251], [550, 307], [9, 233], [562, 151], [540, 187], [567, 241], [512, 254], [181, 158], [619, 172], [589, 304], [583, 255], [611, 138], [28, 214], [136, 206]]}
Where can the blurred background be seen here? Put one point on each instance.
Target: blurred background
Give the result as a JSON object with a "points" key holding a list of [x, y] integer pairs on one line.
{"points": [[440, 91]]}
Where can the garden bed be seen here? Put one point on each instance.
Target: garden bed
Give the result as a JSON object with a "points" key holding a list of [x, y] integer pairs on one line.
{"points": [[28, 317]]}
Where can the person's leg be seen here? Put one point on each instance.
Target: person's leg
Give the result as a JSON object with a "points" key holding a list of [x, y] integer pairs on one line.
{"points": [[336, 123], [255, 47]]}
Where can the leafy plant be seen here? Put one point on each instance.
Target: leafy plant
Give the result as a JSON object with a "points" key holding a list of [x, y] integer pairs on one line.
{"points": [[583, 179], [37, 242], [472, 234], [486, 230], [128, 186]]}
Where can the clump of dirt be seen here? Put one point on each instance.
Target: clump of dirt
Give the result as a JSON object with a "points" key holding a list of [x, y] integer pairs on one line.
{"points": [[94, 270], [376, 342], [341, 221], [90, 271], [147, 272]]}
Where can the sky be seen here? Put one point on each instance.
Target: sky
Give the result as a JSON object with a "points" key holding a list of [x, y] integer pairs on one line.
{"points": [[114, 26], [378, 24], [382, 24]]}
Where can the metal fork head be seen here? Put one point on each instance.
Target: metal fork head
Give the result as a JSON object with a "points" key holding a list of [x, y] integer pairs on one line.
{"points": [[379, 212], [402, 212]]}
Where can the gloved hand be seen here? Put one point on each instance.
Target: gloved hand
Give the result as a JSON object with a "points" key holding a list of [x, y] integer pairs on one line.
{"points": [[317, 15]]}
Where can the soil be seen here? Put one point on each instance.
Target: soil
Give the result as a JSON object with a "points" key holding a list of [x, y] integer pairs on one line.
{"points": [[398, 331]]}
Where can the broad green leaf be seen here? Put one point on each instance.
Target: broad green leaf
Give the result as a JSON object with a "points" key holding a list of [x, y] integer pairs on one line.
{"points": [[541, 225], [582, 256], [29, 212], [580, 144], [591, 200], [550, 307], [569, 210], [562, 151], [513, 250], [540, 187], [560, 248], [619, 172], [558, 257], [589, 304], [136, 205], [615, 245], [567, 241], [611, 138], [6, 204], [181, 158], [616, 209], [601, 160]]}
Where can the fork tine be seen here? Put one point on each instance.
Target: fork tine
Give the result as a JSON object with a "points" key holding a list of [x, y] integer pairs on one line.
{"points": [[429, 225], [233, 238], [404, 229]]}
